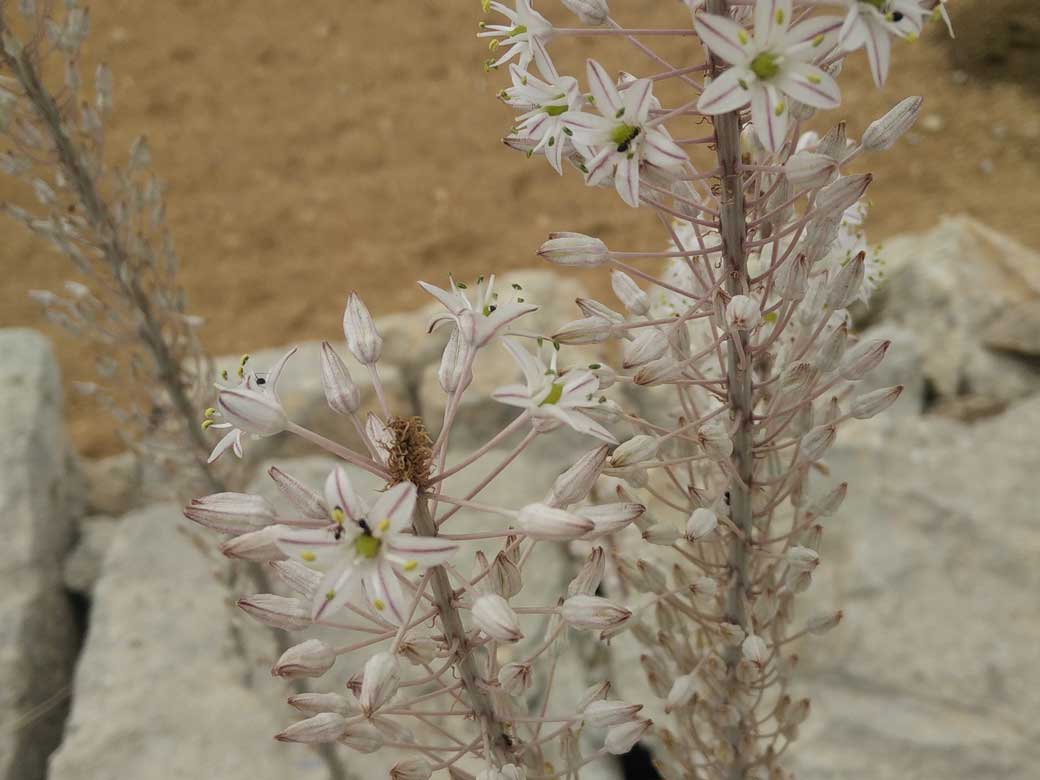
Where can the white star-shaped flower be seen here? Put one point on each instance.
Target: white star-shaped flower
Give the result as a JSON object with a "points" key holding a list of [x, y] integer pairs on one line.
{"points": [[481, 320], [773, 62], [363, 547], [551, 399], [526, 26], [870, 24], [620, 139]]}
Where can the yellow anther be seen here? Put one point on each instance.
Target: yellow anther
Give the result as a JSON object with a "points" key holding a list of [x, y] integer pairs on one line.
{"points": [[223, 373], [485, 5], [410, 565], [493, 44], [379, 604], [210, 411], [819, 39], [308, 556], [384, 525], [330, 595], [338, 515], [780, 108], [206, 424], [243, 360], [779, 16], [813, 79], [742, 37]]}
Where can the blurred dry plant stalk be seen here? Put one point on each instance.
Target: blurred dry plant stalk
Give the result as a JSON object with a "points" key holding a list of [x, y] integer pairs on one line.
{"points": [[108, 221], [696, 511]]}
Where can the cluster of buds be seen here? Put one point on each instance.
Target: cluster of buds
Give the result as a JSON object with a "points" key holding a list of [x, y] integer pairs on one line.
{"points": [[696, 505]]}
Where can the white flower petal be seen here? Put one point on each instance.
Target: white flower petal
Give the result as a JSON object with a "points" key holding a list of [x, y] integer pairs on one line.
{"points": [[772, 18], [626, 179], [339, 587], [724, 38], [385, 593], [637, 99], [424, 551], [608, 101], [395, 505], [770, 124], [810, 85], [726, 93], [339, 492], [662, 151]]}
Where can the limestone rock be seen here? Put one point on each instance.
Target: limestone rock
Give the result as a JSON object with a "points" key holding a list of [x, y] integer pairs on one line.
{"points": [[1017, 330], [40, 499], [83, 565], [172, 682]]}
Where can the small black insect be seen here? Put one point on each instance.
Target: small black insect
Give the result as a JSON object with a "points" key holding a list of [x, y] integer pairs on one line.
{"points": [[364, 526]]}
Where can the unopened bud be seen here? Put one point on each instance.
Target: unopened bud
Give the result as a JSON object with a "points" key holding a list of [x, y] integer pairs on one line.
{"points": [[252, 411], [828, 504], [715, 440], [629, 293], [277, 611], [810, 170], [683, 690], [380, 682], [363, 340], [651, 344], [755, 650], [792, 279], [590, 575], [539, 521], [593, 612], [837, 196], [831, 351], [323, 727], [302, 579], [816, 442], [661, 534], [743, 313], [302, 497], [255, 546], [636, 450], [231, 513], [802, 559], [515, 678], [411, 769], [863, 358], [845, 287], [496, 618], [593, 693], [574, 249], [308, 659], [453, 364], [884, 132], [315, 703], [821, 624], [362, 737], [603, 714], [504, 577], [623, 737], [594, 12], [340, 391], [866, 406], [700, 524], [590, 330], [574, 484], [608, 518]]}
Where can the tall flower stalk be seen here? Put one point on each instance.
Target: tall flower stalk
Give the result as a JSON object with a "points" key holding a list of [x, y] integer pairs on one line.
{"points": [[700, 504]]}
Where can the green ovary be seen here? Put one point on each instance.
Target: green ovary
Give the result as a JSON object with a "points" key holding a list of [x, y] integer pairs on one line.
{"points": [[367, 546], [622, 134], [555, 394], [878, 4], [555, 110], [765, 66]]}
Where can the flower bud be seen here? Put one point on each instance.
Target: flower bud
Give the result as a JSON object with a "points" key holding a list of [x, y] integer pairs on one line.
{"points": [[252, 411], [590, 575], [743, 313], [504, 577], [590, 307], [866, 406], [231, 513], [661, 534], [608, 518], [590, 330], [300, 578], [845, 286], [732, 633], [863, 358], [421, 650], [810, 170], [636, 450], [704, 587], [792, 278], [592, 612], [701, 523], [323, 727], [755, 650], [411, 769], [308, 659], [574, 484], [884, 132], [316, 703], [715, 441], [604, 714], [255, 546], [651, 344], [362, 737], [797, 713], [453, 363], [657, 372], [515, 678], [623, 737], [340, 391], [380, 682], [277, 611], [302, 497], [681, 694], [821, 624], [539, 521], [594, 12], [629, 293], [802, 559], [839, 195], [593, 693], [393, 729], [835, 144], [816, 442], [363, 340], [828, 504], [653, 579], [574, 250], [496, 618], [832, 349]]}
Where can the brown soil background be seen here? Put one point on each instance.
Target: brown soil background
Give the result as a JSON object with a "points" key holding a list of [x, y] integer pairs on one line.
{"points": [[314, 148]]}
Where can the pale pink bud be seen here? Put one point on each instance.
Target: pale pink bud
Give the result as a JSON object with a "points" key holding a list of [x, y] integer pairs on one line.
{"points": [[629, 293], [835, 144], [340, 391], [810, 170], [453, 364], [604, 714], [316, 703], [590, 307], [657, 372], [653, 579], [817, 441], [363, 340], [884, 132], [832, 349], [797, 713], [277, 611], [845, 287], [683, 690], [623, 737], [539, 521], [252, 411], [755, 650], [798, 376], [821, 624], [381, 680], [702, 522], [661, 534], [231, 513], [605, 374], [421, 650], [574, 249], [302, 497], [300, 578], [792, 279], [323, 727], [593, 693], [255, 546], [594, 12], [743, 313], [839, 195], [504, 577], [515, 678], [308, 659], [411, 769], [802, 559], [863, 358], [496, 618], [590, 575], [715, 440], [593, 612], [608, 518], [828, 504], [574, 484], [636, 450], [589, 330], [704, 587], [732, 633], [362, 737], [866, 406], [650, 345]]}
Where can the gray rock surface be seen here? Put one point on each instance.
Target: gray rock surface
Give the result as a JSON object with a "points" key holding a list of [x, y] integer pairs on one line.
{"points": [[82, 567], [40, 498], [173, 682]]}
